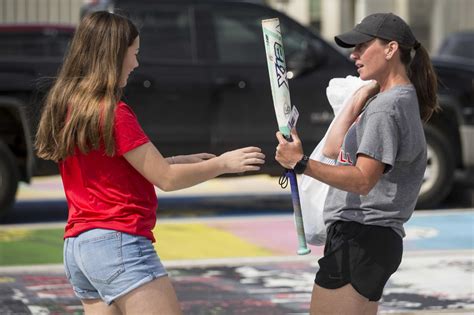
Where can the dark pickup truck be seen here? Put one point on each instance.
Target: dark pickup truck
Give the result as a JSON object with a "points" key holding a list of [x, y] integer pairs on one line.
{"points": [[202, 85]]}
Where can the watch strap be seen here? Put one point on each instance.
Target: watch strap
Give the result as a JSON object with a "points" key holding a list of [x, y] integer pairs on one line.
{"points": [[300, 167]]}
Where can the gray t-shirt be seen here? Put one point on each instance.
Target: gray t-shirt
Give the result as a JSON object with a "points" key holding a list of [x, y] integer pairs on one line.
{"points": [[389, 130]]}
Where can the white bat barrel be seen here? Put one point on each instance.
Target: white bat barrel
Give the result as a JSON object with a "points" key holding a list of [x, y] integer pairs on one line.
{"points": [[277, 72], [282, 103]]}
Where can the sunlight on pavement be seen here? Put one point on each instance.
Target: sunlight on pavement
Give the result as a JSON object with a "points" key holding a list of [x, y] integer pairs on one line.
{"points": [[50, 187], [196, 241], [13, 235]]}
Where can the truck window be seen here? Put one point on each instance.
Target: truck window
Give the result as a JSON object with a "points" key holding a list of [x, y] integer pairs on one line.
{"points": [[165, 32], [239, 35], [41, 43]]}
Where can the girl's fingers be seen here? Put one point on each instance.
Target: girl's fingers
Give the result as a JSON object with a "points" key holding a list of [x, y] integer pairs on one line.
{"points": [[256, 155], [255, 161], [251, 168], [251, 149]]}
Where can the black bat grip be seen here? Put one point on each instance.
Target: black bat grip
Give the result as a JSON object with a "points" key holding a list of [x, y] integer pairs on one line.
{"points": [[288, 138]]}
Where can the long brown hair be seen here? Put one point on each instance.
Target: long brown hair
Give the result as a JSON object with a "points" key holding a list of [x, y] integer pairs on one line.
{"points": [[80, 107], [422, 75]]}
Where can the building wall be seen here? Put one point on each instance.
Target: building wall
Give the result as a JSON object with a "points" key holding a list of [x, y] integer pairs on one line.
{"points": [[430, 20], [298, 10], [450, 16], [39, 11], [336, 15]]}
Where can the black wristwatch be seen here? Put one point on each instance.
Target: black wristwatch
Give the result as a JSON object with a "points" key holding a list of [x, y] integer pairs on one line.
{"points": [[301, 165]]}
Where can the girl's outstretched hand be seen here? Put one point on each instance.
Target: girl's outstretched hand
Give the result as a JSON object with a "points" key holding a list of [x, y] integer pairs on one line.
{"points": [[242, 160]]}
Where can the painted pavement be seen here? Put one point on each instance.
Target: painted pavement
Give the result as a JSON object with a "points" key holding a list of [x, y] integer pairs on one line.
{"points": [[436, 273], [247, 264], [261, 288]]}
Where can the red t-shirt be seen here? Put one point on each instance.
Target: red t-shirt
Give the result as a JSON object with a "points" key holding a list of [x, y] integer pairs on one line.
{"points": [[107, 192]]}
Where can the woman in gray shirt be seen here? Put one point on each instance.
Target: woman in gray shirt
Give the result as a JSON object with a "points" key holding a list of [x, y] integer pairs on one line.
{"points": [[380, 151]]}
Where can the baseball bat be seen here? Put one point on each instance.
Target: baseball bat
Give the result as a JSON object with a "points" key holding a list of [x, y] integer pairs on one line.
{"points": [[282, 104]]}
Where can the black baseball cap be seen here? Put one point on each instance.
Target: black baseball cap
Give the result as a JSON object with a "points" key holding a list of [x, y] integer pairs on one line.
{"points": [[386, 26]]}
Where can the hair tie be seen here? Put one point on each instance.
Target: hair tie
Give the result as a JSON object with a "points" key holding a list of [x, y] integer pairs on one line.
{"points": [[417, 45]]}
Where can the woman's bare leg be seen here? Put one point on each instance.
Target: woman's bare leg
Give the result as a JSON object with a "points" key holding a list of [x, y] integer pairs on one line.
{"points": [[342, 301]]}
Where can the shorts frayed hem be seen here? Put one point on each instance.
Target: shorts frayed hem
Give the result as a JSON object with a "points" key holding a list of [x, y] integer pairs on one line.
{"points": [[87, 295], [149, 278]]}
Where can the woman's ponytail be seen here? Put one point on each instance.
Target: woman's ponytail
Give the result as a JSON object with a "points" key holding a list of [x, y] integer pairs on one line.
{"points": [[421, 73]]}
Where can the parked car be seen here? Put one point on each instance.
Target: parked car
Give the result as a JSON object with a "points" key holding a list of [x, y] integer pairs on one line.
{"points": [[450, 133], [202, 85], [458, 45], [29, 57]]}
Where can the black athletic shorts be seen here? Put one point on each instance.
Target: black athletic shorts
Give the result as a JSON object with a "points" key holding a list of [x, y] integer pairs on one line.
{"points": [[362, 255]]}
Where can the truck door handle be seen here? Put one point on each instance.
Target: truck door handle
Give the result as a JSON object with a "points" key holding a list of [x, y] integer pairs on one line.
{"points": [[141, 80], [227, 82], [146, 84]]}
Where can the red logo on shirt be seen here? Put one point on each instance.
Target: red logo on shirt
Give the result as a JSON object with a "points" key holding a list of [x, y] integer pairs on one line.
{"points": [[345, 157]]}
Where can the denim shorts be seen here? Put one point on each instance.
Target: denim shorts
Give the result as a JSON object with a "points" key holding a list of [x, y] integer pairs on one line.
{"points": [[106, 264]]}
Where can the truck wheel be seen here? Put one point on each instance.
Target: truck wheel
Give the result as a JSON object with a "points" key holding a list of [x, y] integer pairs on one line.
{"points": [[9, 178], [438, 178]]}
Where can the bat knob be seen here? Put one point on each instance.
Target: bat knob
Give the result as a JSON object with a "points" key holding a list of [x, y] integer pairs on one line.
{"points": [[304, 251]]}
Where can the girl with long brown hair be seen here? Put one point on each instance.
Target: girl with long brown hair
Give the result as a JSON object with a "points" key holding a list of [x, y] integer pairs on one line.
{"points": [[109, 168]]}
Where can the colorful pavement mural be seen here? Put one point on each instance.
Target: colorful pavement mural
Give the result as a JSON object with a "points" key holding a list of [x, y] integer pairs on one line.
{"points": [[436, 273], [261, 288], [247, 264]]}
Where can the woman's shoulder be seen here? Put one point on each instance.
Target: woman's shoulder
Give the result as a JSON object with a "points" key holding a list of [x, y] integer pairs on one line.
{"points": [[392, 100]]}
